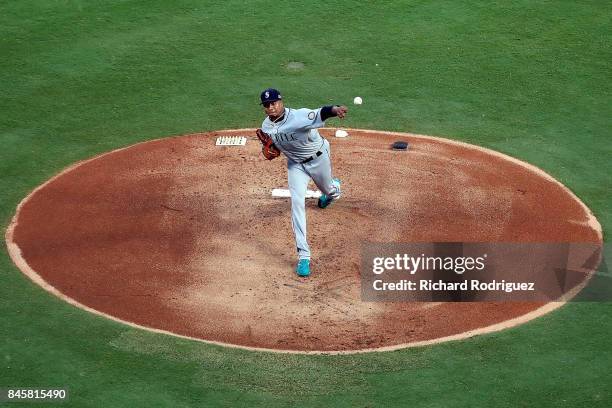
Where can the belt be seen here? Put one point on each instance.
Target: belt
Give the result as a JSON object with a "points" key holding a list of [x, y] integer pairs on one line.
{"points": [[314, 156]]}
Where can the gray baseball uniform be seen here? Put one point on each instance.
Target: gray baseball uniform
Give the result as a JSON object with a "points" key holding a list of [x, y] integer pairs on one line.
{"points": [[308, 157]]}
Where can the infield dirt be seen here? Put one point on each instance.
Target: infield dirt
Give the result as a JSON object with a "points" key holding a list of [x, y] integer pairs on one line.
{"points": [[183, 236]]}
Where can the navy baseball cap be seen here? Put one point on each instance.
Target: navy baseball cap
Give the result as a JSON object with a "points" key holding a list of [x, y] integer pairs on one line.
{"points": [[270, 95]]}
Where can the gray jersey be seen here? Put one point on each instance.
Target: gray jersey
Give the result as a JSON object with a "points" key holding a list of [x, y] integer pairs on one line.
{"points": [[296, 134]]}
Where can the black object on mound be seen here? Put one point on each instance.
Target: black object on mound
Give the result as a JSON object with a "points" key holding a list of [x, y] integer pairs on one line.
{"points": [[399, 145]]}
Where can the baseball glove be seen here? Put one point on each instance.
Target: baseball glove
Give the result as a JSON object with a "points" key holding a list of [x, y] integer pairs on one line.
{"points": [[269, 149]]}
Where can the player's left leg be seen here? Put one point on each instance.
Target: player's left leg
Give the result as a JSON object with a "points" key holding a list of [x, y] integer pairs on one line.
{"points": [[298, 183]]}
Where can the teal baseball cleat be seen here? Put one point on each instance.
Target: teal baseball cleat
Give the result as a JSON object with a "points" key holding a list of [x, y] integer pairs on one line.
{"points": [[303, 267], [326, 200]]}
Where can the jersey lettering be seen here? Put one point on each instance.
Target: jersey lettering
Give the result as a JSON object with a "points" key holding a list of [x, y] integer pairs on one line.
{"points": [[284, 137], [296, 134]]}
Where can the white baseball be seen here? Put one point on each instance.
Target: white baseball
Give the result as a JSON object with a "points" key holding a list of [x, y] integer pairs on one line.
{"points": [[358, 100]]}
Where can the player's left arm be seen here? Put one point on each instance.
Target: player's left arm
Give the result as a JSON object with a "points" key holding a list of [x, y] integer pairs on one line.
{"points": [[268, 148]]}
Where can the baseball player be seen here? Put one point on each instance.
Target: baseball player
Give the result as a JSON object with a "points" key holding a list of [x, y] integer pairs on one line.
{"points": [[294, 133]]}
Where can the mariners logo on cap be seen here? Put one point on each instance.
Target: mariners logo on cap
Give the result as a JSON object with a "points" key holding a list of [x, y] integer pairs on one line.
{"points": [[270, 95]]}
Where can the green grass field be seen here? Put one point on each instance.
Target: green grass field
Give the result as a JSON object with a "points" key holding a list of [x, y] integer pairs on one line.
{"points": [[528, 78]]}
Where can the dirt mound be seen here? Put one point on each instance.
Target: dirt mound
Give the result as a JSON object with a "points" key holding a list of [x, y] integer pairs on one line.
{"points": [[183, 236]]}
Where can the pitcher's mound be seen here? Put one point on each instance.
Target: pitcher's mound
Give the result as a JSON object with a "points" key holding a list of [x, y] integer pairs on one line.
{"points": [[183, 236]]}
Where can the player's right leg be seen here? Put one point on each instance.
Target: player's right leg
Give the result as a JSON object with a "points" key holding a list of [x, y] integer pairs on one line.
{"points": [[298, 181], [320, 170], [326, 199]]}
